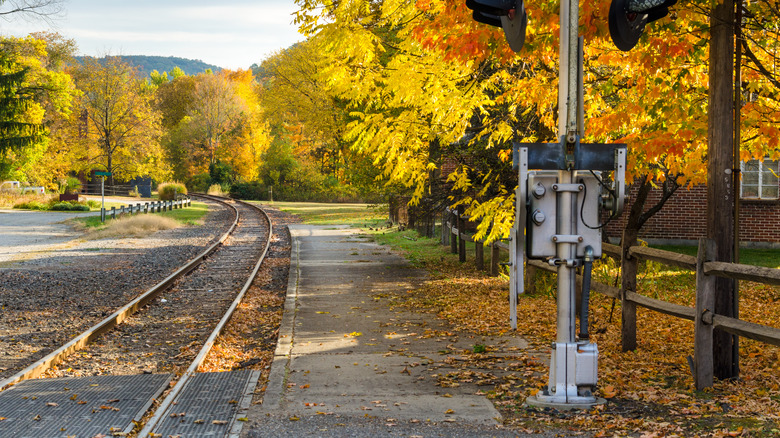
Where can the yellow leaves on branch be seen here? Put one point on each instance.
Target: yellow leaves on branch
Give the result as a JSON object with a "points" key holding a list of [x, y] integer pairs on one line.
{"points": [[414, 73]]}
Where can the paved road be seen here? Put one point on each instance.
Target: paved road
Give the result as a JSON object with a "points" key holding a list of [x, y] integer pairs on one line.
{"points": [[23, 231], [33, 231]]}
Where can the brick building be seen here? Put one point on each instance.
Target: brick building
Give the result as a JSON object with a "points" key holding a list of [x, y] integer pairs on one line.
{"points": [[683, 219]]}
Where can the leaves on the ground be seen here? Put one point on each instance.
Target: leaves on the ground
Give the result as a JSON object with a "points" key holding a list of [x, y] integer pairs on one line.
{"points": [[650, 391]]}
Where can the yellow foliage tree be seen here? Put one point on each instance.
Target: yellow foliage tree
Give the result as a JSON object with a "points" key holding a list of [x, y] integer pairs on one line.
{"points": [[36, 95], [115, 127], [415, 73]]}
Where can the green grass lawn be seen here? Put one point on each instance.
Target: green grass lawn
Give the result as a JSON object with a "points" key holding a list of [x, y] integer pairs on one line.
{"points": [[356, 215]]}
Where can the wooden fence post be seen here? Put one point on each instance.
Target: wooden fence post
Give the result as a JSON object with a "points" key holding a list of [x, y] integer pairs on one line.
{"points": [[530, 278], [703, 364], [495, 252], [461, 238], [628, 269], [444, 237], [479, 250], [453, 238]]}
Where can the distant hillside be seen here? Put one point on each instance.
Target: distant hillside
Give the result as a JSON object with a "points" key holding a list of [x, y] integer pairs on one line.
{"points": [[166, 63], [146, 64]]}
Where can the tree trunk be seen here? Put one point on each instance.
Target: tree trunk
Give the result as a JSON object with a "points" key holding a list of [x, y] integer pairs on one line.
{"points": [[720, 190], [110, 167]]}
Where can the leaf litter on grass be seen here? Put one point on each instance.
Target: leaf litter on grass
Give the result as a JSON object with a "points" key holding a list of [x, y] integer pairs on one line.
{"points": [[650, 391]]}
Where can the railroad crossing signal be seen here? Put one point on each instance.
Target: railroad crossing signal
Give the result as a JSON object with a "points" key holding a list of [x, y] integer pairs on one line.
{"points": [[627, 19], [559, 193], [507, 14]]}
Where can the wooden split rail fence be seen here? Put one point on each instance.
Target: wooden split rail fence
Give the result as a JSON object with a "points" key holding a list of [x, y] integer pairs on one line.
{"points": [[146, 207], [705, 321]]}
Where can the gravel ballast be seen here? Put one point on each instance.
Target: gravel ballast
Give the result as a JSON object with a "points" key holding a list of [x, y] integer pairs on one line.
{"points": [[52, 295]]}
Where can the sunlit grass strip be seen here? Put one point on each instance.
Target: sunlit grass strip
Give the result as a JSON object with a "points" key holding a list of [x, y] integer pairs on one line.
{"points": [[358, 215]]}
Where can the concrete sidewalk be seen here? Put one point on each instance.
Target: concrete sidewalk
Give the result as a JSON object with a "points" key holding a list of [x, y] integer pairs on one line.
{"points": [[349, 364]]}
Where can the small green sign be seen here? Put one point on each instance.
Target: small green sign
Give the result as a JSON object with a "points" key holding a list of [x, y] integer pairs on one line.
{"points": [[102, 173]]}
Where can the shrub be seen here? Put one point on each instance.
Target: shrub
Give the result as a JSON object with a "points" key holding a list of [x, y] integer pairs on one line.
{"points": [[13, 199], [215, 190], [70, 185], [69, 206], [222, 173], [199, 182], [32, 205], [134, 193], [249, 190], [167, 191], [54, 204]]}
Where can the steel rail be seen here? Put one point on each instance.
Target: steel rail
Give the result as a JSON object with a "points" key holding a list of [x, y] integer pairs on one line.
{"points": [[169, 399], [79, 342]]}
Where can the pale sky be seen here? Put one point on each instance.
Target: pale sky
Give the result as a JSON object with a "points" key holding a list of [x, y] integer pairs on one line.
{"points": [[230, 33]]}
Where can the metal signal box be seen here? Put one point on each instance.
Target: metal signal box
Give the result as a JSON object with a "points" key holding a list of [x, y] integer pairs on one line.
{"points": [[542, 214]]}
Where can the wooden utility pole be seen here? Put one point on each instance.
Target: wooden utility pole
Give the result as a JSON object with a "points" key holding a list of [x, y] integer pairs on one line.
{"points": [[720, 188]]}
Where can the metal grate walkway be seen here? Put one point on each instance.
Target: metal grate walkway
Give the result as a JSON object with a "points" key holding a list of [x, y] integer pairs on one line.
{"points": [[210, 405], [78, 407]]}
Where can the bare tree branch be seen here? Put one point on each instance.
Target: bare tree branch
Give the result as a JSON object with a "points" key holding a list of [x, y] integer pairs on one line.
{"points": [[31, 10]]}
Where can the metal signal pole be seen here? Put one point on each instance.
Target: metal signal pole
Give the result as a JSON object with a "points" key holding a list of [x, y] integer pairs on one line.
{"points": [[559, 211]]}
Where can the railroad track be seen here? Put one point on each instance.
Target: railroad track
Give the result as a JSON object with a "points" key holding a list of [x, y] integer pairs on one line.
{"points": [[181, 318]]}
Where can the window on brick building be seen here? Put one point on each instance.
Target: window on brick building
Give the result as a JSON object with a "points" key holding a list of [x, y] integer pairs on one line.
{"points": [[760, 179]]}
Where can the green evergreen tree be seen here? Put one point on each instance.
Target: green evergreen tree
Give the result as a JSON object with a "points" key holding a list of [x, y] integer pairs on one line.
{"points": [[16, 131]]}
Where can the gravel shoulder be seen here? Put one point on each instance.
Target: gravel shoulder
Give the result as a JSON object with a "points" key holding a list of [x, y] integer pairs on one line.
{"points": [[54, 289], [24, 233], [28, 232]]}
